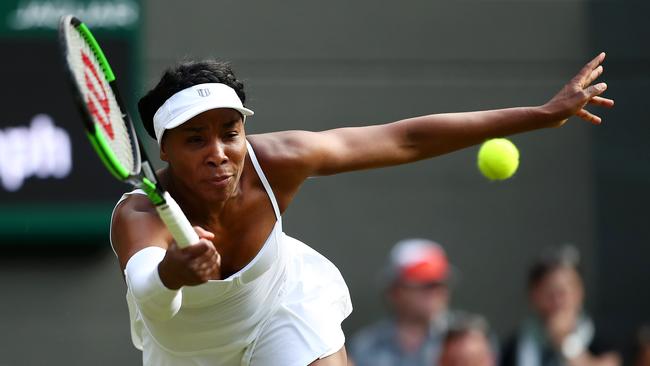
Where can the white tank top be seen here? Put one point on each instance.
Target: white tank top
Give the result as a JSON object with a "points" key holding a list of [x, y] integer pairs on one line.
{"points": [[220, 322]]}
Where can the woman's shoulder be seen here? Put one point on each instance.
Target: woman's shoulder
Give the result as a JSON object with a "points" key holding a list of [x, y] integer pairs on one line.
{"points": [[290, 151], [282, 146], [283, 160], [135, 214], [135, 224], [134, 202]]}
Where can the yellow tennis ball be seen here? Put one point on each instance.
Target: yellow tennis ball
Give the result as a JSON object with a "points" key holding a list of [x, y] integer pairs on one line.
{"points": [[498, 159]]}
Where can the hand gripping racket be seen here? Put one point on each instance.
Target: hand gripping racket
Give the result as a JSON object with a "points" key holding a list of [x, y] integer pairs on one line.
{"points": [[109, 127]]}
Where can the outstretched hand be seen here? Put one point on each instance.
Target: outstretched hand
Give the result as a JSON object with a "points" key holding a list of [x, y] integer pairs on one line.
{"points": [[578, 93]]}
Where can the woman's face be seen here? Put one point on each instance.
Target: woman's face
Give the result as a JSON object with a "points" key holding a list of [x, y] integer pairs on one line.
{"points": [[560, 291], [206, 154]]}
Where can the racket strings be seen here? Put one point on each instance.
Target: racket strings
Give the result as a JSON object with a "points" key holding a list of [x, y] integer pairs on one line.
{"points": [[99, 98]]}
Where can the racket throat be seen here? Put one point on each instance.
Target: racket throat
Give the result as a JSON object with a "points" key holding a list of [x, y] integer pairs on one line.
{"points": [[152, 191], [148, 172]]}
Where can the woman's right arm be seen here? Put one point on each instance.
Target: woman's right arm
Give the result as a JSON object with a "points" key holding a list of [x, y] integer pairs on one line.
{"points": [[153, 266], [136, 226]]}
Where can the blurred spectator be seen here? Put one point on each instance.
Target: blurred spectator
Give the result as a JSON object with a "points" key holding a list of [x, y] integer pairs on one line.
{"points": [[416, 281], [467, 343], [559, 333], [642, 357]]}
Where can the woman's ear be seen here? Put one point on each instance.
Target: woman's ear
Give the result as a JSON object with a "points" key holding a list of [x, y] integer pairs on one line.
{"points": [[163, 154]]}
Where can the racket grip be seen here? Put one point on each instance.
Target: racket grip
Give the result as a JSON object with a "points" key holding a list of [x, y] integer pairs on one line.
{"points": [[181, 229]]}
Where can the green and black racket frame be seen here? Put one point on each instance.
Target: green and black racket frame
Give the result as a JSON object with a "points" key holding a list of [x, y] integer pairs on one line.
{"points": [[109, 127]]}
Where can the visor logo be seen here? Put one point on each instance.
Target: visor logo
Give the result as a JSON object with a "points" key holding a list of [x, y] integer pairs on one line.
{"points": [[203, 92]]}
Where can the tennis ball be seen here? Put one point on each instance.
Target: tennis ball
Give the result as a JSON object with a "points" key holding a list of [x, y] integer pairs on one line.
{"points": [[498, 159]]}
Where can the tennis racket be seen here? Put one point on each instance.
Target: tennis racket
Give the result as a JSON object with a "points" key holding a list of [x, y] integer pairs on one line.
{"points": [[109, 127]]}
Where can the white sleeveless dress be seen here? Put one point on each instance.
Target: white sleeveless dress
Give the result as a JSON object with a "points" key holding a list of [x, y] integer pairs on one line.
{"points": [[285, 308]]}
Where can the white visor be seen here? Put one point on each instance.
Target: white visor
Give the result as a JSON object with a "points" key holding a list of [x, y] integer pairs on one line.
{"points": [[192, 101]]}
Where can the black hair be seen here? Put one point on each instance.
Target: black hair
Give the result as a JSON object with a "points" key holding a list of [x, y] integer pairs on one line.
{"points": [[551, 259], [182, 76]]}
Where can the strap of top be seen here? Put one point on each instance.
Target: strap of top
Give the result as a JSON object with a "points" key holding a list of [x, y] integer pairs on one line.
{"points": [[265, 182]]}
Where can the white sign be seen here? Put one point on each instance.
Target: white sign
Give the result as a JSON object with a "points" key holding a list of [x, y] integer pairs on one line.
{"points": [[41, 150], [101, 14]]}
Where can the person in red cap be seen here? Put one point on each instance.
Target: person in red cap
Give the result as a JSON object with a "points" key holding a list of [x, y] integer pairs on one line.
{"points": [[417, 289]]}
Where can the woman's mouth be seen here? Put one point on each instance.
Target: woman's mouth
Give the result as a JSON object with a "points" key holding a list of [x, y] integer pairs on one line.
{"points": [[219, 181]]}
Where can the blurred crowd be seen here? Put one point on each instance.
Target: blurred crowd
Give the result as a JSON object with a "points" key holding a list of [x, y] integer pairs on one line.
{"points": [[422, 329]]}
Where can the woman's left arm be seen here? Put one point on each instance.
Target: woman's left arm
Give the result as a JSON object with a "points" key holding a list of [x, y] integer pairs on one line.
{"points": [[296, 155]]}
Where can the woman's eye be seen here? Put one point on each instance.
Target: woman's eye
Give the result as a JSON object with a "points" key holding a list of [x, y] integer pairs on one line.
{"points": [[194, 139]]}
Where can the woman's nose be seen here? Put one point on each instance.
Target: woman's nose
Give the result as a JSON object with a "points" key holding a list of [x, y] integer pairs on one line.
{"points": [[216, 154]]}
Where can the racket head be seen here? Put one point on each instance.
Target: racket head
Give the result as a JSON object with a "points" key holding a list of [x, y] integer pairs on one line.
{"points": [[104, 116]]}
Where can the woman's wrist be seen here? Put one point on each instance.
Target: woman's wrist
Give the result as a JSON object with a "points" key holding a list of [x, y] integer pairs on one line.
{"points": [[166, 276]]}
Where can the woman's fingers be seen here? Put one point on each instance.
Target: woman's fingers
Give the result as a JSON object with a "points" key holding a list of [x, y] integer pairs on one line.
{"points": [[588, 69], [579, 92], [588, 116], [207, 264], [593, 76], [595, 90], [602, 102], [201, 232], [198, 249]]}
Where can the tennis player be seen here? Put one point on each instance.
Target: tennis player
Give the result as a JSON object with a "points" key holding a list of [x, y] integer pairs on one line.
{"points": [[246, 293]]}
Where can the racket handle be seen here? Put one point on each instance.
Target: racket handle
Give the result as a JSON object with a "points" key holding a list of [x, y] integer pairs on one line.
{"points": [[181, 229]]}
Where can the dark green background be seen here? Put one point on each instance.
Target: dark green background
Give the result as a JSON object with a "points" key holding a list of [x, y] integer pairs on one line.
{"points": [[51, 209]]}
